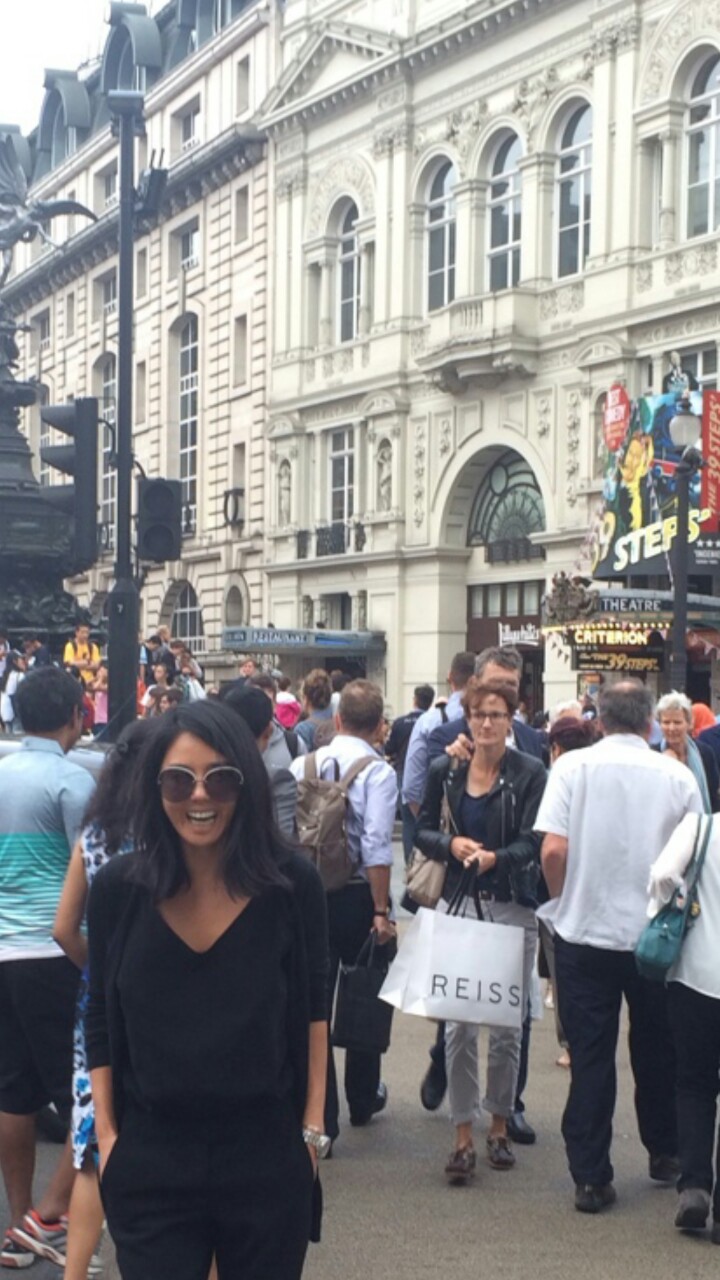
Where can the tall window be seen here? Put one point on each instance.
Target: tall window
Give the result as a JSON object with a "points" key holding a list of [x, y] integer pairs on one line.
{"points": [[703, 181], [505, 215], [108, 480], [349, 277], [575, 192], [189, 421], [187, 620], [703, 365], [441, 231], [342, 476]]}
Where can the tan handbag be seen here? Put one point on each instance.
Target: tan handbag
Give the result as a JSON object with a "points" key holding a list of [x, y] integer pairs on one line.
{"points": [[424, 879]]}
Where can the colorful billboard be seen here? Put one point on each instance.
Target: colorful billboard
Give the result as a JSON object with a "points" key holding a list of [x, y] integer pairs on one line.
{"points": [[639, 520]]}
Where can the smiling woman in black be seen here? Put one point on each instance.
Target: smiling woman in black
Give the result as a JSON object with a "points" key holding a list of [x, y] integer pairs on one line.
{"points": [[206, 1029]]}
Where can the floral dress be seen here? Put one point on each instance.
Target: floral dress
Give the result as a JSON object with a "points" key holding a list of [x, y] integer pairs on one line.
{"points": [[94, 856]]}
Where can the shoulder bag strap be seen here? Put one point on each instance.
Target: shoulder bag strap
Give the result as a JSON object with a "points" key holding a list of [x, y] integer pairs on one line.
{"points": [[311, 772], [699, 854], [355, 770]]}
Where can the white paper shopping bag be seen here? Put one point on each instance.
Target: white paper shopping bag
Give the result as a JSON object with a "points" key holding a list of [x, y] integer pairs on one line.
{"points": [[458, 969]]}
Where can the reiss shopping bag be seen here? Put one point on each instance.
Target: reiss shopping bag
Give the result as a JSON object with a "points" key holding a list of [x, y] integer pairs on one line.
{"points": [[457, 969]]}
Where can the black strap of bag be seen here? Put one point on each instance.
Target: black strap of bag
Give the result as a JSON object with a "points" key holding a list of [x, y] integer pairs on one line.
{"points": [[466, 888]]}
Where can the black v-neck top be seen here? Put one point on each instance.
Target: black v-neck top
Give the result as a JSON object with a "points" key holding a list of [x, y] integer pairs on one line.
{"points": [[207, 1031]]}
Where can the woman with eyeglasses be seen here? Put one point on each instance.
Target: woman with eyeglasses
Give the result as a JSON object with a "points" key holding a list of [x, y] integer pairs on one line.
{"points": [[492, 800], [206, 1029]]}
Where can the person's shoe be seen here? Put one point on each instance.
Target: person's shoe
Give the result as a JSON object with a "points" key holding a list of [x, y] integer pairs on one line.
{"points": [[46, 1239], [434, 1086], [359, 1118], [519, 1130], [499, 1153], [693, 1209], [664, 1168], [590, 1199], [461, 1166], [15, 1256]]}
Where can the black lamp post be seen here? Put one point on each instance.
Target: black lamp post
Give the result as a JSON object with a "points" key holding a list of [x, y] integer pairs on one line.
{"points": [[685, 429], [126, 109]]}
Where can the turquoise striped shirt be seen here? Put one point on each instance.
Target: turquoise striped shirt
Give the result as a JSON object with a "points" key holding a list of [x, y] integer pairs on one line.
{"points": [[43, 797]]}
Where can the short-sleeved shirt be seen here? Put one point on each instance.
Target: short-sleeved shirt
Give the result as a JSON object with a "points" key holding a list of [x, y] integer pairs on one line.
{"points": [[75, 652], [617, 804], [43, 797]]}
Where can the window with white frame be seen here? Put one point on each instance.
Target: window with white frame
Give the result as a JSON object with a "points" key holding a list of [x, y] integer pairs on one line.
{"points": [[108, 479], [41, 332], [342, 475], [349, 276], [108, 294], [189, 247], [187, 620], [187, 127], [703, 365], [188, 417], [441, 238], [574, 199], [505, 215], [703, 150], [110, 187]]}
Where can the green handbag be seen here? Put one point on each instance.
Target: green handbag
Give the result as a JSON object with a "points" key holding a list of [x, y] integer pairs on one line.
{"points": [[661, 940]]}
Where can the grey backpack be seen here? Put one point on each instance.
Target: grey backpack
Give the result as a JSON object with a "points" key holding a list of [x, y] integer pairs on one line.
{"points": [[322, 811]]}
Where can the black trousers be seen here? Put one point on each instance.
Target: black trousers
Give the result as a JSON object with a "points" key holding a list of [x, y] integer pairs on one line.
{"points": [[695, 1023], [350, 918], [176, 1193], [591, 983]]}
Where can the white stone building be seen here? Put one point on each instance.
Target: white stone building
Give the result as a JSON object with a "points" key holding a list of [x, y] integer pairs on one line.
{"points": [[484, 216], [200, 293]]}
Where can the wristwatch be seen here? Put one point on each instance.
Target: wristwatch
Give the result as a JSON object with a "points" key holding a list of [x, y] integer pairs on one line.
{"points": [[319, 1141]]}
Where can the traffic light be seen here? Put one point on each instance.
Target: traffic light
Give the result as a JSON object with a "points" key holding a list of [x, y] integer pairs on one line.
{"points": [[159, 520], [79, 419]]}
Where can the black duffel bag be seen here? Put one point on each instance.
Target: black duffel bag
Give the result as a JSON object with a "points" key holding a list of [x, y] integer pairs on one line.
{"points": [[362, 1022]]}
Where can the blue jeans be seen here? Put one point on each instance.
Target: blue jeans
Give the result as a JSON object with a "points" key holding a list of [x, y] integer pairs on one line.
{"points": [[409, 827]]}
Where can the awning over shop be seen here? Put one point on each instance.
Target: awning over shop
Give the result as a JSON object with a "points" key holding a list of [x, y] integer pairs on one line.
{"points": [[315, 644]]}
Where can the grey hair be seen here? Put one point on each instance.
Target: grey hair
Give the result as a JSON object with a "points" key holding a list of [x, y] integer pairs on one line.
{"points": [[626, 707], [675, 701], [572, 708], [502, 655]]}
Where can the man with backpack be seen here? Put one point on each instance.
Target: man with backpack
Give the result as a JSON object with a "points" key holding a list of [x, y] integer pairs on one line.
{"points": [[347, 794], [284, 745]]}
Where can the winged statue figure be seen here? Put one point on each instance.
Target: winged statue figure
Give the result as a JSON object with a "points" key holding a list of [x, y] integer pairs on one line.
{"points": [[20, 220]]}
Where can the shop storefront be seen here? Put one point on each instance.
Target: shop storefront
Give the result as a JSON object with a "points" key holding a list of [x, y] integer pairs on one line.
{"points": [[358, 653], [509, 613]]}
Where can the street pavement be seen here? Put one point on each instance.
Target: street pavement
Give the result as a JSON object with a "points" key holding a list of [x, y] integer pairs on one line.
{"points": [[389, 1212]]}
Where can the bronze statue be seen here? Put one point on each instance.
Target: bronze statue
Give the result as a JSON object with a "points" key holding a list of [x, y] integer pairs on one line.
{"points": [[18, 219]]}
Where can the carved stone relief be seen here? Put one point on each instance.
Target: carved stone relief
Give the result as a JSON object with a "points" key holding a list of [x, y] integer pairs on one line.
{"points": [[419, 461], [644, 277], [384, 461], [697, 261], [568, 298], [543, 414], [284, 483], [572, 444], [696, 19], [349, 175], [530, 98]]}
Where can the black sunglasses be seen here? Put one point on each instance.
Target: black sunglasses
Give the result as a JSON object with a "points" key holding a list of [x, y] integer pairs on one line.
{"points": [[223, 782]]}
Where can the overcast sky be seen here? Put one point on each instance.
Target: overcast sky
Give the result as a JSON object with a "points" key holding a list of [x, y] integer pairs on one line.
{"points": [[35, 34]]}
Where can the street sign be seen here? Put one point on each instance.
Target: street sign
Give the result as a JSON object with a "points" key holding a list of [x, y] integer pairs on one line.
{"points": [[616, 417]]}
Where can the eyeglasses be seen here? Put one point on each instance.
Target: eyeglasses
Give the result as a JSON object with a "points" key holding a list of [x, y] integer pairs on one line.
{"points": [[222, 783], [493, 716]]}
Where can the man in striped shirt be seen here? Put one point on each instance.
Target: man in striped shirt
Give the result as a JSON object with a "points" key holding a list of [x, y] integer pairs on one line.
{"points": [[43, 797]]}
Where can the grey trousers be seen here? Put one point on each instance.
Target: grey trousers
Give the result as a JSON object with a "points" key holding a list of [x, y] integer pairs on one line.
{"points": [[461, 1038]]}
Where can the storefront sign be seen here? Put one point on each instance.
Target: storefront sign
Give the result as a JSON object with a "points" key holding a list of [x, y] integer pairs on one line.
{"points": [[618, 660], [607, 636], [640, 516], [616, 417], [711, 456], [631, 604], [271, 640], [706, 551], [527, 633]]}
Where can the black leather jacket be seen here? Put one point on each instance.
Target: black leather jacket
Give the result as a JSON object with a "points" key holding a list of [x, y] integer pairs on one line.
{"points": [[512, 809]]}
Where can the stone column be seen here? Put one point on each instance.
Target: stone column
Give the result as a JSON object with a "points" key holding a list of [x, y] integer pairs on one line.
{"points": [[668, 194], [326, 302], [539, 248]]}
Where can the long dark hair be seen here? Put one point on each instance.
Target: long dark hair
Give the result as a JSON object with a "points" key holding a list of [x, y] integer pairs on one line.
{"points": [[110, 804], [253, 843]]}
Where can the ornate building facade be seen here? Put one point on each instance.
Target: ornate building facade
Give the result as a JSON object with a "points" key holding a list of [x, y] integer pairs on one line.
{"points": [[484, 216], [200, 294]]}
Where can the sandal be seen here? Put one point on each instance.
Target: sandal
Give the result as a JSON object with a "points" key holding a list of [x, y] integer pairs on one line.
{"points": [[461, 1165], [499, 1153], [563, 1060]]}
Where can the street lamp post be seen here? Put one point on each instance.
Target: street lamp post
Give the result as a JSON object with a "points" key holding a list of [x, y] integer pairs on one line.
{"points": [[126, 109], [685, 432]]}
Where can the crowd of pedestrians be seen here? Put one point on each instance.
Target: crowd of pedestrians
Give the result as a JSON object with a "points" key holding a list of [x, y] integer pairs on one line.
{"points": [[235, 857]]}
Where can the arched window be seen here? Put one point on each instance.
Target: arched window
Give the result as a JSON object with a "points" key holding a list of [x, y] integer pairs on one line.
{"points": [[441, 233], [703, 150], [187, 620], [234, 610], [505, 215], [508, 508], [574, 191], [108, 475], [349, 277], [188, 418]]}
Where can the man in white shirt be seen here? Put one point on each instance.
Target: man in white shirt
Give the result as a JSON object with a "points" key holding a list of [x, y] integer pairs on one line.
{"points": [[607, 813], [364, 902]]}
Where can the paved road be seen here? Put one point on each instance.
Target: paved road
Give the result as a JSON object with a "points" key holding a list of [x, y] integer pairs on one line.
{"points": [[390, 1214]]}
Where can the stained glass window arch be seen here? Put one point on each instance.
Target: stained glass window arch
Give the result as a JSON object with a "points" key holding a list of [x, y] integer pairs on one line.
{"points": [[508, 505]]}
